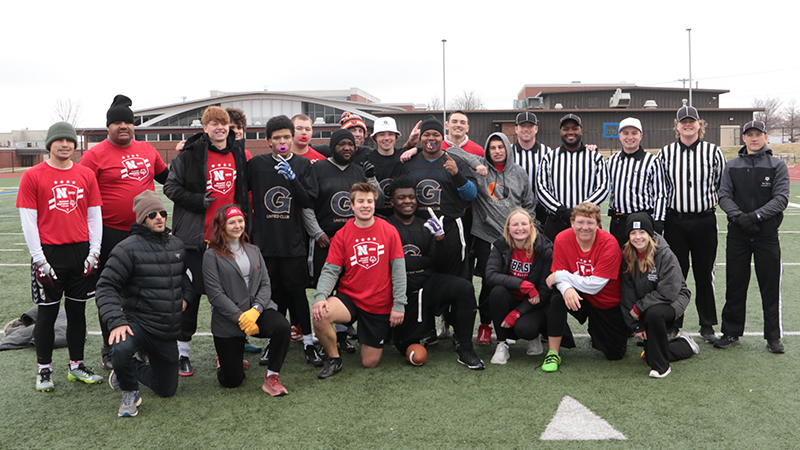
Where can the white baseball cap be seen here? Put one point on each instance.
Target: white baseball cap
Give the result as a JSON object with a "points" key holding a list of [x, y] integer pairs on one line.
{"points": [[385, 124], [631, 122]]}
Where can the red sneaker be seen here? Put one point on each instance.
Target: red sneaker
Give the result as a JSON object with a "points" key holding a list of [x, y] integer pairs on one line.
{"points": [[297, 333], [484, 334], [272, 386]]}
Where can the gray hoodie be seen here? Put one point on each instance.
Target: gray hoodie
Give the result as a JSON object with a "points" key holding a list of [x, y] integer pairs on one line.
{"points": [[499, 193]]}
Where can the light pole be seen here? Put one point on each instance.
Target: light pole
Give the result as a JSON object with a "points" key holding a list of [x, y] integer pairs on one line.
{"points": [[444, 88], [690, 65]]}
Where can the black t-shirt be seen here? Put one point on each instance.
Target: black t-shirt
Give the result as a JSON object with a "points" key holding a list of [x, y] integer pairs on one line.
{"points": [[419, 248], [384, 167], [332, 204], [435, 186]]}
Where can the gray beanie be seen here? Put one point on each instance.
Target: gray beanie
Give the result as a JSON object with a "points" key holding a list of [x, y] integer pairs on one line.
{"points": [[145, 203], [60, 130]]}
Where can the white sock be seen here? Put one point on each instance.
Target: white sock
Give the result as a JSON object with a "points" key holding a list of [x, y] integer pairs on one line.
{"points": [[307, 340], [74, 364], [183, 348], [45, 366], [270, 373]]}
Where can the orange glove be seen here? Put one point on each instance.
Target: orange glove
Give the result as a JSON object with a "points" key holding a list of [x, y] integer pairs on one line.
{"points": [[248, 319], [251, 330]]}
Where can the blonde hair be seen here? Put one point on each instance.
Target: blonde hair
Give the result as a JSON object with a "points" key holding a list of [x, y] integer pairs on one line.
{"points": [[700, 134], [528, 244], [631, 257]]}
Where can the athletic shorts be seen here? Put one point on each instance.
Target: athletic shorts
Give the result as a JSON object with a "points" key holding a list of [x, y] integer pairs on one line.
{"points": [[67, 262], [287, 274], [372, 328]]}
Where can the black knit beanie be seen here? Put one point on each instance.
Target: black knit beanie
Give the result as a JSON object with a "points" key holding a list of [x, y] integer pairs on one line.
{"points": [[431, 123], [120, 110], [640, 221], [340, 134]]}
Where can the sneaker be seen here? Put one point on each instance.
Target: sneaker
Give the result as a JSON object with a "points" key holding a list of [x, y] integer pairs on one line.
{"points": [[130, 400], [272, 386], [654, 373], [83, 373], [640, 342], [43, 383], [312, 356], [707, 333], [501, 354], [534, 347], [551, 361], [250, 348], [297, 333], [105, 361], [726, 341], [431, 339], [352, 333], [264, 361], [484, 334], [511, 341], [470, 359], [775, 346], [344, 345], [684, 335], [443, 330], [185, 368], [333, 366], [144, 357], [113, 381]]}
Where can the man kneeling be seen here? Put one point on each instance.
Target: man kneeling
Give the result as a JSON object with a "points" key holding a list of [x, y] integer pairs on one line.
{"points": [[372, 290]]}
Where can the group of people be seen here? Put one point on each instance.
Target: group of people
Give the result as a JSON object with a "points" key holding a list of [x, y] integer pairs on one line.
{"points": [[390, 239]]}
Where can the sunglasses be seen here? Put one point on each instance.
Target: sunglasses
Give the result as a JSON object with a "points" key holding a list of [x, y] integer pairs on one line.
{"points": [[152, 215]]}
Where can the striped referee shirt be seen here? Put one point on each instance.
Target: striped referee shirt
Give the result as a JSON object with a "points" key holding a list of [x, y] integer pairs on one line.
{"points": [[567, 178], [529, 159], [637, 184], [694, 173]]}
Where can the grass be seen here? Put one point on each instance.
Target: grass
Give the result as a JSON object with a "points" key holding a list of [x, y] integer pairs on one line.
{"points": [[738, 398]]}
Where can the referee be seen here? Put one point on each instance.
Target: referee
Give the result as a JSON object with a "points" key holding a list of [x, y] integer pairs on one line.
{"points": [[694, 170], [528, 153], [637, 182], [569, 175]]}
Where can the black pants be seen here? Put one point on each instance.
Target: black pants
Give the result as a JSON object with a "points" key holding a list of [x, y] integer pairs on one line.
{"points": [[606, 326], [617, 228], [658, 351], [440, 293], [696, 235], [553, 226], [272, 325], [194, 264], [44, 330], [527, 327], [111, 237], [456, 265], [288, 279], [766, 251], [161, 375], [482, 251]]}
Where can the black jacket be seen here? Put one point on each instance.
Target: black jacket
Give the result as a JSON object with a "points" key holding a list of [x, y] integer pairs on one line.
{"points": [[500, 261], [143, 282]]}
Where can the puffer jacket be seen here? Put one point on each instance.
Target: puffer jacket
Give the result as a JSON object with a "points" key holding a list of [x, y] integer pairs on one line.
{"points": [[664, 284], [143, 282], [500, 261]]}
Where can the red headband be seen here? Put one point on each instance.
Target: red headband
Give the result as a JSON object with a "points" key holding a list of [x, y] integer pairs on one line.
{"points": [[233, 211]]}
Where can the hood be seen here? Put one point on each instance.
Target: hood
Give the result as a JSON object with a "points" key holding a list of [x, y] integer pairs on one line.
{"points": [[142, 230], [661, 243], [509, 149], [200, 141], [764, 151]]}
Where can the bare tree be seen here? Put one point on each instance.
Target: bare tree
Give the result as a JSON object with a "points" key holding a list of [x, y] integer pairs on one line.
{"points": [[68, 110], [771, 116], [791, 120], [435, 104], [468, 100]]}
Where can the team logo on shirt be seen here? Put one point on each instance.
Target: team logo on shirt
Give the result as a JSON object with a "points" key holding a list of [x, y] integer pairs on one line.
{"points": [[498, 191], [366, 252], [411, 250], [278, 200], [429, 193], [65, 196], [653, 275], [585, 267], [222, 177], [767, 182], [340, 204], [135, 167], [387, 202]]}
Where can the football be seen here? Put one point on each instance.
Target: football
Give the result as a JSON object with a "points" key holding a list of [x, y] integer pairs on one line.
{"points": [[416, 354]]}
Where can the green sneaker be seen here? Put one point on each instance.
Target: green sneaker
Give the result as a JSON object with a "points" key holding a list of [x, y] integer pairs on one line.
{"points": [[43, 383], [551, 361], [83, 373]]}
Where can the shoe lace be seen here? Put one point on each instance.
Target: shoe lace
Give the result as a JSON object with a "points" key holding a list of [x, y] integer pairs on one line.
{"points": [[45, 375], [551, 358], [85, 370]]}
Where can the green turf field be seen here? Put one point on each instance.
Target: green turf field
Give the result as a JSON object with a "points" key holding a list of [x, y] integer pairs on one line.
{"points": [[740, 398]]}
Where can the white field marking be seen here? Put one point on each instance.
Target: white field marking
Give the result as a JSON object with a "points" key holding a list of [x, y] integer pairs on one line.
{"points": [[10, 234], [779, 232], [20, 243], [575, 422], [10, 249], [794, 205]]}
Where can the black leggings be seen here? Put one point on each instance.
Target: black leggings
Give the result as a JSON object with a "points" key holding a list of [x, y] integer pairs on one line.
{"points": [[44, 330], [527, 327]]}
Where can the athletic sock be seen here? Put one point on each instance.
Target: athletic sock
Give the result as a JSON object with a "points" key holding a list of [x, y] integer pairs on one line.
{"points": [[45, 366], [271, 373], [183, 348], [307, 340], [74, 364]]}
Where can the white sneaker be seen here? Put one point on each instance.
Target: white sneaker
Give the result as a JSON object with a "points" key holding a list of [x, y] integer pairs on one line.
{"points": [[511, 341], [535, 347], [654, 373], [684, 335], [501, 354]]}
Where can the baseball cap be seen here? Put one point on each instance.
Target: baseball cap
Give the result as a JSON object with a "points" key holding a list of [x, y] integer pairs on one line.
{"points": [[757, 124], [572, 117], [688, 111], [385, 124], [631, 122], [527, 117]]}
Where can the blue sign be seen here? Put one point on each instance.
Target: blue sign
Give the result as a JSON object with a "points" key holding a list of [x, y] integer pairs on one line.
{"points": [[610, 129]]}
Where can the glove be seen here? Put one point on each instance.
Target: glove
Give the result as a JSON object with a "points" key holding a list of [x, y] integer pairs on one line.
{"points": [[207, 200], [90, 265], [564, 214], [248, 319], [251, 330], [748, 223], [45, 275], [285, 169], [434, 224], [512, 317], [369, 169], [658, 226], [528, 289]]}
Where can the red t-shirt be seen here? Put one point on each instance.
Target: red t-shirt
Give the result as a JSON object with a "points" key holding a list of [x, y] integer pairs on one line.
{"points": [[364, 254], [602, 260], [469, 147], [123, 173], [61, 198], [312, 154], [221, 181], [520, 267]]}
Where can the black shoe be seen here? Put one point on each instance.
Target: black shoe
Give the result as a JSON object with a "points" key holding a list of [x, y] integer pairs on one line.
{"points": [[430, 339], [352, 333], [143, 356], [333, 366], [727, 341], [707, 333], [470, 359], [639, 342], [312, 356], [105, 361], [264, 361], [185, 368], [344, 345], [775, 346]]}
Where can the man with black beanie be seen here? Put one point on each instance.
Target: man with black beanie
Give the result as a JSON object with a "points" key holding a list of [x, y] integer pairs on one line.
{"points": [[124, 168]]}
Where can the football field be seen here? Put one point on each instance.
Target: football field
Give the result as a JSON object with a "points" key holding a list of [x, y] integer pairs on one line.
{"points": [[739, 398]]}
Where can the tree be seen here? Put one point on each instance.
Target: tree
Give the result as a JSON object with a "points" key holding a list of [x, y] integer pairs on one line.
{"points": [[68, 110], [791, 120], [771, 116], [468, 100], [435, 104]]}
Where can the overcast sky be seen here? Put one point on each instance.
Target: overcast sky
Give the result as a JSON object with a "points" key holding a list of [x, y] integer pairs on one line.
{"points": [[158, 51]]}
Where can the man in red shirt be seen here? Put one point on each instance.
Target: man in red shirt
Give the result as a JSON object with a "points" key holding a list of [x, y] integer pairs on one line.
{"points": [[457, 127], [124, 168], [60, 210], [586, 263], [303, 131], [372, 290]]}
